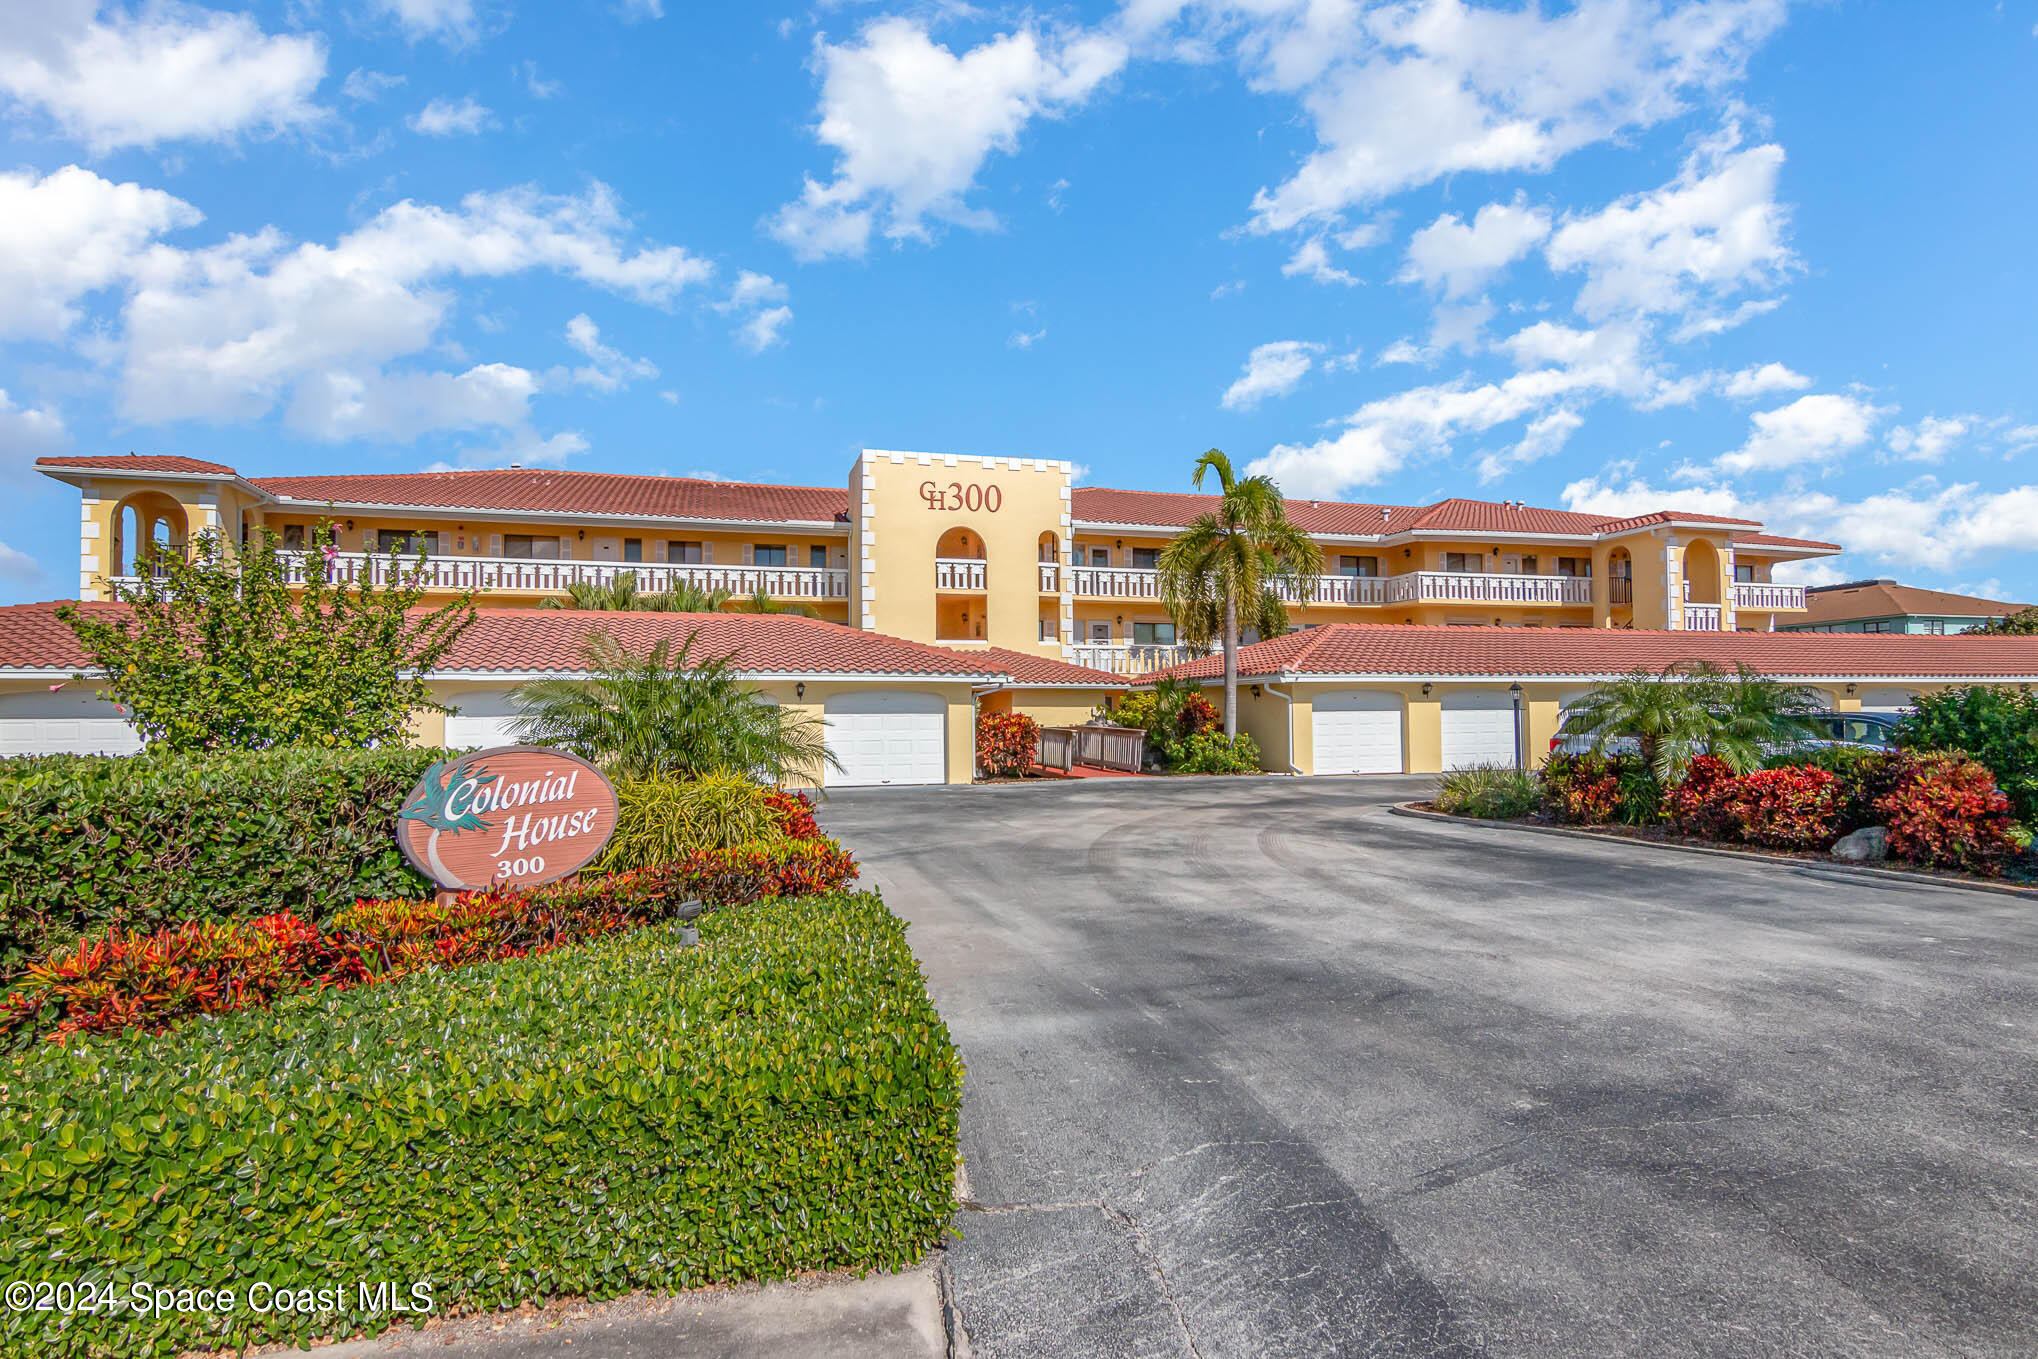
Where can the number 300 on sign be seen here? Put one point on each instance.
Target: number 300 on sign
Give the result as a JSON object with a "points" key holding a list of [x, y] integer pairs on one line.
{"points": [[958, 495]]}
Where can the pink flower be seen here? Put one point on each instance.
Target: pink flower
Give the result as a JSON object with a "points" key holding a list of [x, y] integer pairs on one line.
{"points": [[58, 685]]}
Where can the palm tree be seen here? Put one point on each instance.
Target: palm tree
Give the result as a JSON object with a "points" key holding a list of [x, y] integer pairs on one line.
{"points": [[760, 601], [667, 713], [620, 595], [1691, 708], [1228, 568]]}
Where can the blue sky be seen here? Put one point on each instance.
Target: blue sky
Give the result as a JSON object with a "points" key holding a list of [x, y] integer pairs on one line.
{"points": [[1740, 256]]}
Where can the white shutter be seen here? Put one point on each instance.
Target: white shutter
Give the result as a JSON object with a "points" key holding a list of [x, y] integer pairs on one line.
{"points": [[657, 549], [495, 544], [707, 553], [748, 555], [565, 548]]}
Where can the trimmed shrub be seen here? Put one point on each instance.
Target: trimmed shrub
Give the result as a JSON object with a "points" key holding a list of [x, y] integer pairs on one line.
{"points": [[795, 813], [659, 820], [1006, 743], [1785, 808], [1993, 724], [1697, 803], [1581, 789], [1211, 752], [1491, 791], [1946, 811], [631, 1114], [88, 843], [745, 873]]}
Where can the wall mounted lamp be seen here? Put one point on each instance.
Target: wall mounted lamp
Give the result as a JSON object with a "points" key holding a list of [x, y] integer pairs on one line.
{"points": [[583, 533], [1426, 688], [1256, 691], [350, 526], [1850, 689], [800, 689]]}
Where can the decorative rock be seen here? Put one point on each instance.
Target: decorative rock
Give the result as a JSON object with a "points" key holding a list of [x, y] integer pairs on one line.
{"points": [[1869, 845]]}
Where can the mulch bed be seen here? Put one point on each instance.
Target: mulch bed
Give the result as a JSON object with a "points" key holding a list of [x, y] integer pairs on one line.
{"points": [[2018, 876]]}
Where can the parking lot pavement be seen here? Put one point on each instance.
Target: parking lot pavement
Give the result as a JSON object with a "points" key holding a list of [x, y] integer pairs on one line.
{"points": [[1256, 1069]]}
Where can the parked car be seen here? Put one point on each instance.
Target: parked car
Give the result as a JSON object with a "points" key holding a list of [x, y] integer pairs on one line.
{"points": [[1869, 731]]}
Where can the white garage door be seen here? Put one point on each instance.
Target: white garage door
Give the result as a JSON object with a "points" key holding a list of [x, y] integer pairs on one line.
{"points": [[1478, 729], [68, 722], [887, 737], [1357, 732], [1885, 700], [483, 720]]}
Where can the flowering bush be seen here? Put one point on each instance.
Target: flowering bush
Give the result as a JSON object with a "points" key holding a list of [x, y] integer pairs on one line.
{"points": [[1947, 810], [1697, 803], [1796, 808], [1581, 789], [1211, 752], [133, 980], [1198, 716], [795, 813], [1006, 743]]}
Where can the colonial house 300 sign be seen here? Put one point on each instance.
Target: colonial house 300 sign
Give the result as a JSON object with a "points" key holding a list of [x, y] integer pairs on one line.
{"points": [[514, 816]]}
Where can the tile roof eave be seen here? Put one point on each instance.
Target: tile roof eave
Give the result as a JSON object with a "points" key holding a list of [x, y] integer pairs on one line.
{"points": [[387, 507], [972, 677]]}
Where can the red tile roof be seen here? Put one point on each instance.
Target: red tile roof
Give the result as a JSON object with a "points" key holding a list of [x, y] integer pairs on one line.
{"points": [[136, 462], [1171, 509], [1028, 668], [1404, 649], [552, 491], [539, 640], [1771, 540]]}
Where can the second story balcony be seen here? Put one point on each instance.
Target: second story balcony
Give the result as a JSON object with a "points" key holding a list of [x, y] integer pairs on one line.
{"points": [[1766, 595], [544, 576], [1414, 587]]}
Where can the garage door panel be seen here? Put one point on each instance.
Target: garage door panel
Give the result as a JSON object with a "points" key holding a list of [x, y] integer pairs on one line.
{"points": [[484, 719], [887, 737], [1357, 732], [1886, 700], [1478, 728], [66, 722]]}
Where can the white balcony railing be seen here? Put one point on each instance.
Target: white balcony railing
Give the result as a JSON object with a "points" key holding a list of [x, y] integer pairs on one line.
{"points": [[540, 576], [1763, 595], [1455, 587], [1130, 658], [1701, 618], [1132, 582], [958, 573], [1050, 578]]}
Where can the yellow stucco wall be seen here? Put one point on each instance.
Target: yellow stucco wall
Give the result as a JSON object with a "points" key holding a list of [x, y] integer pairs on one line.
{"points": [[1048, 707], [901, 504]]}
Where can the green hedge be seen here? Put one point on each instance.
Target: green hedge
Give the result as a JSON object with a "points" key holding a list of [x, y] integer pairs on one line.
{"points": [[632, 1114], [88, 842]]}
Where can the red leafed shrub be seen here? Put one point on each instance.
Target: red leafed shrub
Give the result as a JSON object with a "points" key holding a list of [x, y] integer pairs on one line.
{"points": [[795, 813], [1581, 789], [1788, 808], [130, 980], [1946, 810], [1198, 716], [747, 873], [1697, 803], [1006, 743]]}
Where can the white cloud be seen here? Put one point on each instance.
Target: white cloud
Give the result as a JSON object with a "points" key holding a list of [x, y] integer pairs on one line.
{"points": [[2022, 436], [753, 289], [1403, 94], [169, 73], [632, 11], [1546, 434], [17, 565], [365, 86], [1713, 231], [1818, 571], [610, 369], [27, 433], [912, 124], [1270, 370], [443, 117], [454, 22], [1237, 285], [1312, 260], [229, 331], [1026, 339], [765, 329], [1810, 429], [1457, 259], [1770, 377], [525, 448], [1929, 439], [536, 85], [68, 234]]}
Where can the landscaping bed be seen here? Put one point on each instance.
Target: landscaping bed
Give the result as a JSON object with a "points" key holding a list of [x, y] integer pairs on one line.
{"points": [[631, 1113]]}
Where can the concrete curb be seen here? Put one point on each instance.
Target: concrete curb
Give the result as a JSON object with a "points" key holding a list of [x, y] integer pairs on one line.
{"points": [[2001, 889]]}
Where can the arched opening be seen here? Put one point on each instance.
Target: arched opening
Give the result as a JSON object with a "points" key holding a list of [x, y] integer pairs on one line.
{"points": [[1620, 579], [1050, 547], [147, 525], [959, 544], [1701, 573]]}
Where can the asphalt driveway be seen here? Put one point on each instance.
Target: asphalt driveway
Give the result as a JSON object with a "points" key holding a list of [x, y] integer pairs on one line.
{"points": [[1256, 1069]]}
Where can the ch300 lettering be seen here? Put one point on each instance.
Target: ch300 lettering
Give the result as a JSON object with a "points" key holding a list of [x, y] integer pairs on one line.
{"points": [[972, 496]]}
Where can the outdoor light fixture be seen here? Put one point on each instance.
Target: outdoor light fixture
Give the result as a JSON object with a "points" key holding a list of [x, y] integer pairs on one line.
{"points": [[1514, 692], [350, 526], [800, 689], [1850, 689], [1426, 688], [1256, 691]]}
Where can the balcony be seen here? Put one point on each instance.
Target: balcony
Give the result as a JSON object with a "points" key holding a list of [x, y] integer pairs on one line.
{"points": [[1701, 618], [1050, 578], [1763, 595], [545, 577], [1130, 658], [959, 573], [1131, 582]]}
